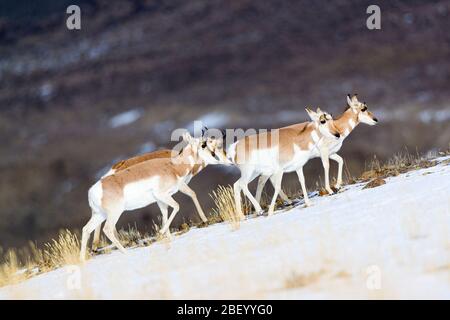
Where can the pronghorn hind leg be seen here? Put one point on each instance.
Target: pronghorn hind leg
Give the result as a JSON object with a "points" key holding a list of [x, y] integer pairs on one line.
{"points": [[276, 181], [168, 200], [96, 240], [184, 188], [237, 200], [340, 162], [95, 221], [282, 195]]}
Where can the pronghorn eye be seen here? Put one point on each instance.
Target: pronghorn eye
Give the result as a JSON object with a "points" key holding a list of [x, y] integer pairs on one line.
{"points": [[204, 145], [364, 109], [323, 121]]}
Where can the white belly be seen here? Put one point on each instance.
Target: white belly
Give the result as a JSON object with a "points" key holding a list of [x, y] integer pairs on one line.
{"points": [[299, 159], [265, 162], [140, 194], [335, 147], [328, 146]]}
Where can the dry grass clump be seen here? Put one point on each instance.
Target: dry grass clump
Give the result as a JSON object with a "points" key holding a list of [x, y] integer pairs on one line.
{"points": [[401, 162], [131, 237], [225, 207], [63, 251], [10, 270], [18, 265]]}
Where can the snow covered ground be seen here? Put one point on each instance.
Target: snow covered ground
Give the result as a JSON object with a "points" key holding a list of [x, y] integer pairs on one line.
{"points": [[392, 241]]}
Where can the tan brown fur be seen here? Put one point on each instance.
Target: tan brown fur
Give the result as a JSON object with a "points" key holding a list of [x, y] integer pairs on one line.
{"points": [[296, 134], [114, 184], [122, 165], [165, 153], [342, 123]]}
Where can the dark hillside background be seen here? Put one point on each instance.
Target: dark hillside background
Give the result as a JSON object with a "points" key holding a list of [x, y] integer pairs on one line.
{"points": [[66, 96]]}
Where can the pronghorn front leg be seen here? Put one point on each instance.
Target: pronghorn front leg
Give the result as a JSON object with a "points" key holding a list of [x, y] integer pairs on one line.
{"points": [[326, 168], [184, 188], [340, 162], [165, 216], [261, 183], [301, 178], [282, 195], [110, 227], [249, 195]]}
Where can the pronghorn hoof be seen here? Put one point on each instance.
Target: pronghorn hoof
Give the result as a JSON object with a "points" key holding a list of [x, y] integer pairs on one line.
{"points": [[202, 224], [260, 213], [308, 204], [288, 203]]}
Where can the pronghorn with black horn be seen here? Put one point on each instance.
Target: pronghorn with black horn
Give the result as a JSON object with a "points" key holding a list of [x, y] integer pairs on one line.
{"points": [[146, 182], [281, 150], [355, 113]]}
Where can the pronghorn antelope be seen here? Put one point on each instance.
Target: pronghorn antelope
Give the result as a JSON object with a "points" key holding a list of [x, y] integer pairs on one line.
{"points": [[146, 182], [355, 113], [213, 144], [281, 150]]}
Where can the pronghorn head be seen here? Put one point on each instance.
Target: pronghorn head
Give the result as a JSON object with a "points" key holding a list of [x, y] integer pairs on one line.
{"points": [[215, 147], [360, 108], [324, 122], [200, 147]]}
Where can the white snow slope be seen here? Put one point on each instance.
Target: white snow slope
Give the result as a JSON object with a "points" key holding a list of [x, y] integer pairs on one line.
{"points": [[392, 241]]}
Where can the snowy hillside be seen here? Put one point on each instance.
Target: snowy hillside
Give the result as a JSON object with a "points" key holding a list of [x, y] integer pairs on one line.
{"points": [[392, 241]]}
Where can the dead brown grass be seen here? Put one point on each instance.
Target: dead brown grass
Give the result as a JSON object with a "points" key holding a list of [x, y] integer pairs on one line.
{"points": [[299, 280], [18, 265], [225, 207], [401, 162]]}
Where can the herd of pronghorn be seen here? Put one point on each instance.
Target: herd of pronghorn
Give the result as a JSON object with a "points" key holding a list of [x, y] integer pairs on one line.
{"points": [[156, 176]]}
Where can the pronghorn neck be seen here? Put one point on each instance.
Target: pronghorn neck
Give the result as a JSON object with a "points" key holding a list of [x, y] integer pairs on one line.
{"points": [[309, 132], [347, 122], [187, 159], [316, 136]]}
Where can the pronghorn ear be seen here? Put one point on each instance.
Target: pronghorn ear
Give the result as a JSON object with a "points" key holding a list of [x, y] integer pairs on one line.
{"points": [[311, 114], [187, 137], [318, 110], [349, 100]]}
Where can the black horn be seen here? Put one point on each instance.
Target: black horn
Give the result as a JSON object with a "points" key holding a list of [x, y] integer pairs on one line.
{"points": [[224, 134]]}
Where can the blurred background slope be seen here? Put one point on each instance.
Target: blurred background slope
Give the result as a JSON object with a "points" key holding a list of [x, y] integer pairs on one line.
{"points": [[73, 102]]}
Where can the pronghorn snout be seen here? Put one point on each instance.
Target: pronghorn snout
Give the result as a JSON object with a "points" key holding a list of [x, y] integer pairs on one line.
{"points": [[337, 135]]}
